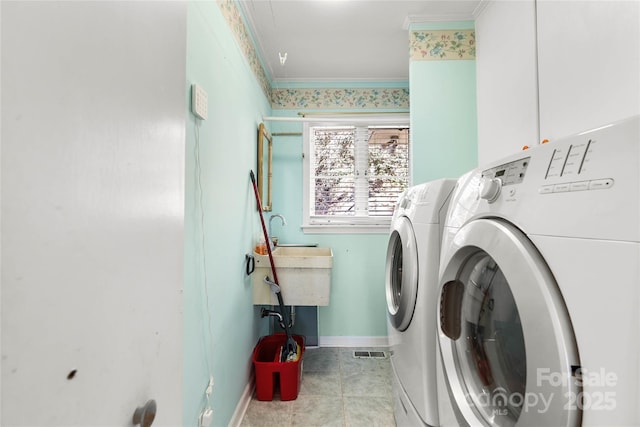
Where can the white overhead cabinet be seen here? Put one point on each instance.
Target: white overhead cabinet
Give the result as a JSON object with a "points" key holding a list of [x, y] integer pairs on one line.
{"points": [[507, 80], [548, 69], [589, 60]]}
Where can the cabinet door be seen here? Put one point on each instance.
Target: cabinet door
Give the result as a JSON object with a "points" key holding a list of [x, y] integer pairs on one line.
{"points": [[507, 80], [589, 64], [93, 123]]}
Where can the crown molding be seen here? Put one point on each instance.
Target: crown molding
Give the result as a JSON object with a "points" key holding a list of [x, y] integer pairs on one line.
{"points": [[425, 19]]}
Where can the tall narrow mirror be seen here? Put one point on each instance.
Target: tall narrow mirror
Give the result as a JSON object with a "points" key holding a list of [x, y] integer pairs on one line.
{"points": [[264, 172]]}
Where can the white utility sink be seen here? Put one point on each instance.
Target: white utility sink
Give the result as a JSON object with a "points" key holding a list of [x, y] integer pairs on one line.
{"points": [[304, 275]]}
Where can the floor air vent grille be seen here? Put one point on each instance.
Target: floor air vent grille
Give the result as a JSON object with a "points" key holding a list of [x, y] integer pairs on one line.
{"points": [[360, 354]]}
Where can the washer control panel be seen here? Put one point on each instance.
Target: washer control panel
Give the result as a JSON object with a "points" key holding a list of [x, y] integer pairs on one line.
{"points": [[568, 163], [508, 173], [585, 185], [494, 179]]}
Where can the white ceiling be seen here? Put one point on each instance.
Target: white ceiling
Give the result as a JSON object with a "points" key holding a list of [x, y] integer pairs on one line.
{"points": [[343, 40]]}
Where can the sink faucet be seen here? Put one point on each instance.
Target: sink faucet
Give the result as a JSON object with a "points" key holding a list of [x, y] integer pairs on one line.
{"points": [[284, 222]]}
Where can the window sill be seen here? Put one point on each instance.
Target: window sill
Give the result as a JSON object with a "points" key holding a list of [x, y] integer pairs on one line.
{"points": [[347, 228]]}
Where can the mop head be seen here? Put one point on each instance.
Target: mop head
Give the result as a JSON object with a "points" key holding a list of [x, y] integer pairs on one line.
{"points": [[291, 352], [294, 355]]}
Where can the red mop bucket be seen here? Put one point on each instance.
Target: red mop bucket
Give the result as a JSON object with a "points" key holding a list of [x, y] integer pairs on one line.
{"points": [[270, 371]]}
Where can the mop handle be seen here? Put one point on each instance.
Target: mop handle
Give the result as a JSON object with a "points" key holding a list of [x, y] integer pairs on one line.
{"points": [[264, 228], [290, 343]]}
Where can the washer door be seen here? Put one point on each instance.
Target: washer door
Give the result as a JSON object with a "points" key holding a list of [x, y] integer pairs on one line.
{"points": [[401, 274], [507, 344]]}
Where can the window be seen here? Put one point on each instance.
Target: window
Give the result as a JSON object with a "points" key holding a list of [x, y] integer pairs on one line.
{"points": [[354, 174]]}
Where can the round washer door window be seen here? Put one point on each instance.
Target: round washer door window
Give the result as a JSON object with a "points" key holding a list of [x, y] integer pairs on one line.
{"points": [[504, 331], [401, 274]]}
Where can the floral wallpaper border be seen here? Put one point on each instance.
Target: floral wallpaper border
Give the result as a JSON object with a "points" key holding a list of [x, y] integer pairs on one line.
{"points": [[341, 98], [233, 17], [321, 98], [442, 45]]}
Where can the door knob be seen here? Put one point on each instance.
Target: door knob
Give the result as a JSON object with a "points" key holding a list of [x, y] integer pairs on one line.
{"points": [[144, 415]]}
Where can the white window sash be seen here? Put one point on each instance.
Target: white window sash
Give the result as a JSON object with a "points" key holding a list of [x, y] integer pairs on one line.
{"points": [[361, 222], [361, 171]]}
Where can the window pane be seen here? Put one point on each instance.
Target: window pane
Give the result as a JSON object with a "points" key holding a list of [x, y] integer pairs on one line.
{"points": [[334, 171], [335, 196], [388, 168], [358, 171], [333, 152], [383, 195]]}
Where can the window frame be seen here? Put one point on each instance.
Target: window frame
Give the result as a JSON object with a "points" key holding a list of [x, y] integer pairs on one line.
{"points": [[344, 224]]}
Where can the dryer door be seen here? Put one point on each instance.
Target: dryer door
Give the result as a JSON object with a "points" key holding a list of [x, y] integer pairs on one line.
{"points": [[507, 344], [401, 274]]}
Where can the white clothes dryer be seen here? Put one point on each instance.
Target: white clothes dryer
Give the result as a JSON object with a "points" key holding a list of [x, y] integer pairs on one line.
{"points": [[413, 256], [538, 318]]}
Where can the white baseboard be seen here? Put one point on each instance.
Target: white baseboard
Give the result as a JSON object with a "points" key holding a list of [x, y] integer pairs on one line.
{"points": [[243, 404], [342, 341]]}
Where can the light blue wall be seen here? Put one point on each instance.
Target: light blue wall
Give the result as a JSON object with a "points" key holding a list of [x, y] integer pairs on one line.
{"points": [[221, 325], [443, 113]]}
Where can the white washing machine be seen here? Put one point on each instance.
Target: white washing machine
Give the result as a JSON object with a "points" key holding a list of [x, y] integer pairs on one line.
{"points": [[538, 319], [413, 255]]}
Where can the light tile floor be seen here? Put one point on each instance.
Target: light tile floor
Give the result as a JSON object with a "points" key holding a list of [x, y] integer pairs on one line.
{"points": [[336, 390]]}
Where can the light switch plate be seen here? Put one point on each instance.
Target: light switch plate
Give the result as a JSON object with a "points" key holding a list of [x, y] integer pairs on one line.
{"points": [[199, 103]]}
